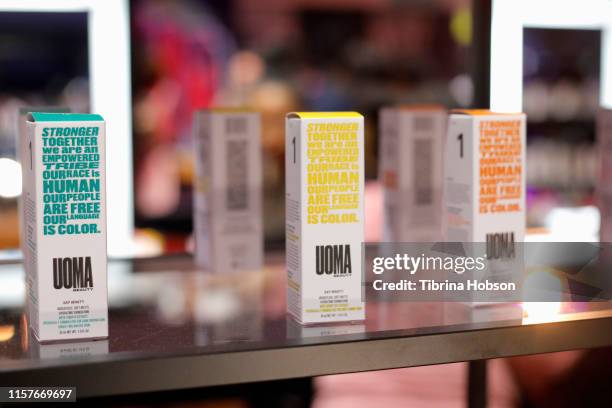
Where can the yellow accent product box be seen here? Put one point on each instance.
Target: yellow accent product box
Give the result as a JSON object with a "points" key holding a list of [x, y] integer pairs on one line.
{"points": [[64, 206], [324, 173], [411, 172], [485, 179], [228, 224]]}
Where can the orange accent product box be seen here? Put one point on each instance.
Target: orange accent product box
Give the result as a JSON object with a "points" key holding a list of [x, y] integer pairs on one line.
{"points": [[484, 184]]}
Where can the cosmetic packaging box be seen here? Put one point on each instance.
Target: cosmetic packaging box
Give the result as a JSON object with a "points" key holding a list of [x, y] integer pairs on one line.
{"points": [[484, 194], [411, 172], [485, 178], [228, 223], [324, 172], [64, 214]]}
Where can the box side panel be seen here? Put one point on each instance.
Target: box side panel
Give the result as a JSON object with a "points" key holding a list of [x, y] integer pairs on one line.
{"points": [[21, 129], [293, 215], [389, 173], [202, 189], [459, 186], [30, 233]]}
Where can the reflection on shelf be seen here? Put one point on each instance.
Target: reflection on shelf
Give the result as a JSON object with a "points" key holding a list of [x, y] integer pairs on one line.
{"points": [[540, 312]]}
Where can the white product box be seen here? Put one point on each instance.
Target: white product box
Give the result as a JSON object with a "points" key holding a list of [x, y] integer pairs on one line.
{"points": [[604, 185], [324, 173], [20, 150], [411, 171], [485, 179], [64, 245], [228, 224]]}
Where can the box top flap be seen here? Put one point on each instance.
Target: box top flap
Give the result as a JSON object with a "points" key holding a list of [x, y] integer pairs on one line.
{"points": [[481, 112], [64, 117], [324, 115]]}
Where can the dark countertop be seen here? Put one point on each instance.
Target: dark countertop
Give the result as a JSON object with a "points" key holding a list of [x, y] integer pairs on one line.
{"points": [[174, 327]]}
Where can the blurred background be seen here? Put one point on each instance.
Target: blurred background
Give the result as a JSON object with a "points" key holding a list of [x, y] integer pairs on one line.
{"points": [[278, 56], [43, 62]]}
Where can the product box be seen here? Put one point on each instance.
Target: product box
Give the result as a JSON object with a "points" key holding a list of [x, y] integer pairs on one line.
{"points": [[20, 134], [604, 183], [484, 195], [64, 205], [324, 173], [485, 179], [228, 224], [411, 171]]}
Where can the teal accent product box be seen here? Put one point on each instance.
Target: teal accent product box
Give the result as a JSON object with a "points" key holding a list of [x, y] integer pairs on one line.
{"points": [[64, 215]]}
